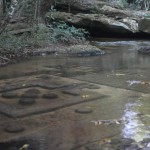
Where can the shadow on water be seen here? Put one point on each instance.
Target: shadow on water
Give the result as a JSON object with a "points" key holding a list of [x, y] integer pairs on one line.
{"points": [[91, 103]]}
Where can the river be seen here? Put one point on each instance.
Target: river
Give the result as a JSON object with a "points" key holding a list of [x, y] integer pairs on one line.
{"points": [[78, 103]]}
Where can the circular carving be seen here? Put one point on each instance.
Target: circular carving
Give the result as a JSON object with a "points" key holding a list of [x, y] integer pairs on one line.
{"points": [[27, 101], [14, 128], [9, 95], [29, 95], [84, 110], [35, 91]]}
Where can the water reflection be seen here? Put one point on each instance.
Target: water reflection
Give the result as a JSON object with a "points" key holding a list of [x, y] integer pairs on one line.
{"points": [[133, 127], [123, 43]]}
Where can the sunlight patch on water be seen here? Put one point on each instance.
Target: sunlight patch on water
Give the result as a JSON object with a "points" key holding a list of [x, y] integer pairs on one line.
{"points": [[123, 43], [132, 82], [133, 126]]}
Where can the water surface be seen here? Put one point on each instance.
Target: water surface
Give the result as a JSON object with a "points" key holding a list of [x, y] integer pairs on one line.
{"points": [[121, 76]]}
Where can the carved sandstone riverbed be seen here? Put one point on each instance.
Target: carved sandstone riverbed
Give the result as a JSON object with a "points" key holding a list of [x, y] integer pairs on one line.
{"points": [[74, 103]]}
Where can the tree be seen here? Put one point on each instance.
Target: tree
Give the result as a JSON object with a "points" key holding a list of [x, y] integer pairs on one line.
{"points": [[31, 10]]}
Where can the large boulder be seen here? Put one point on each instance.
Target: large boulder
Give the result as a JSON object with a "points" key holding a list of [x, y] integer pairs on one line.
{"points": [[98, 23], [100, 17], [83, 6]]}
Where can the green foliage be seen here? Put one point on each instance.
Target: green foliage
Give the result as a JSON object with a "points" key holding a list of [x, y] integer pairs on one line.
{"points": [[122, 3], [11, 42], [134, 4], [42, 35], [29, 10], [143, 4], [61, 32]]}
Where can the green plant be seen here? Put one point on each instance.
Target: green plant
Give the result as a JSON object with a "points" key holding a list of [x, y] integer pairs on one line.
{"points": [[61, 32], [143, 4], [41, 35], [30, 11]]}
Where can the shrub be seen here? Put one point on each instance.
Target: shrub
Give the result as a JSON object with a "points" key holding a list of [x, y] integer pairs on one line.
{"points": [[59, 32]]}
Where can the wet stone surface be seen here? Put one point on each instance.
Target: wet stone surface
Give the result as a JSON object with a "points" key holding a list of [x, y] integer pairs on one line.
{"points": [[29, 95], [35, 95], [71, 93], [50, 96], [90, 103]]}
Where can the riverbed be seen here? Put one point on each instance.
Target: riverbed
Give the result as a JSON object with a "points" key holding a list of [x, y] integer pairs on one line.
{"points": [[78, 103]]}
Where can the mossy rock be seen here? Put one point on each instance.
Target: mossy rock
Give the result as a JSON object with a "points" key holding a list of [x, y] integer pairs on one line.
{"points": [[84, 51]]}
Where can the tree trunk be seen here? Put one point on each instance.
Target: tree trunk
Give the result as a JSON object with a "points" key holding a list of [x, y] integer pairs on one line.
{"points": [[11, 11], [20, 9]]}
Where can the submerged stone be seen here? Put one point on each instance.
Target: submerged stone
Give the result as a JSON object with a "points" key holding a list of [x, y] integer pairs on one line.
{"points": [[9, 95], [14, 128], [27, 101], [84, 110]]}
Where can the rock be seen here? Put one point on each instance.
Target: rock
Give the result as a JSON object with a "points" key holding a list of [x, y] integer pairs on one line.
{"points": [[102, 18], [144, 50], [98, 23], [21, 31], [82, 51], [84, 110], [84, 6], [127, 142], [17, 26], [144, 25]]}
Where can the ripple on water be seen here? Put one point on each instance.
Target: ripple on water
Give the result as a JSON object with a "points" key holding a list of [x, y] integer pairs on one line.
{"points": [[133, 126]]}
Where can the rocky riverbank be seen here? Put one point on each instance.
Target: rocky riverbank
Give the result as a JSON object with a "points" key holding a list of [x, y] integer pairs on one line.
{"points": [[102, 18], [77, 50]]}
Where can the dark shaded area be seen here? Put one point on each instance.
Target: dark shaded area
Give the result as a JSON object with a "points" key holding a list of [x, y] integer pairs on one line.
{"points": [[106, 32]]}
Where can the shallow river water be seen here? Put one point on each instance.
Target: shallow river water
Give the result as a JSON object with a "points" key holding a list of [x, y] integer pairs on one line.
{"points": [[78, 103]]}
